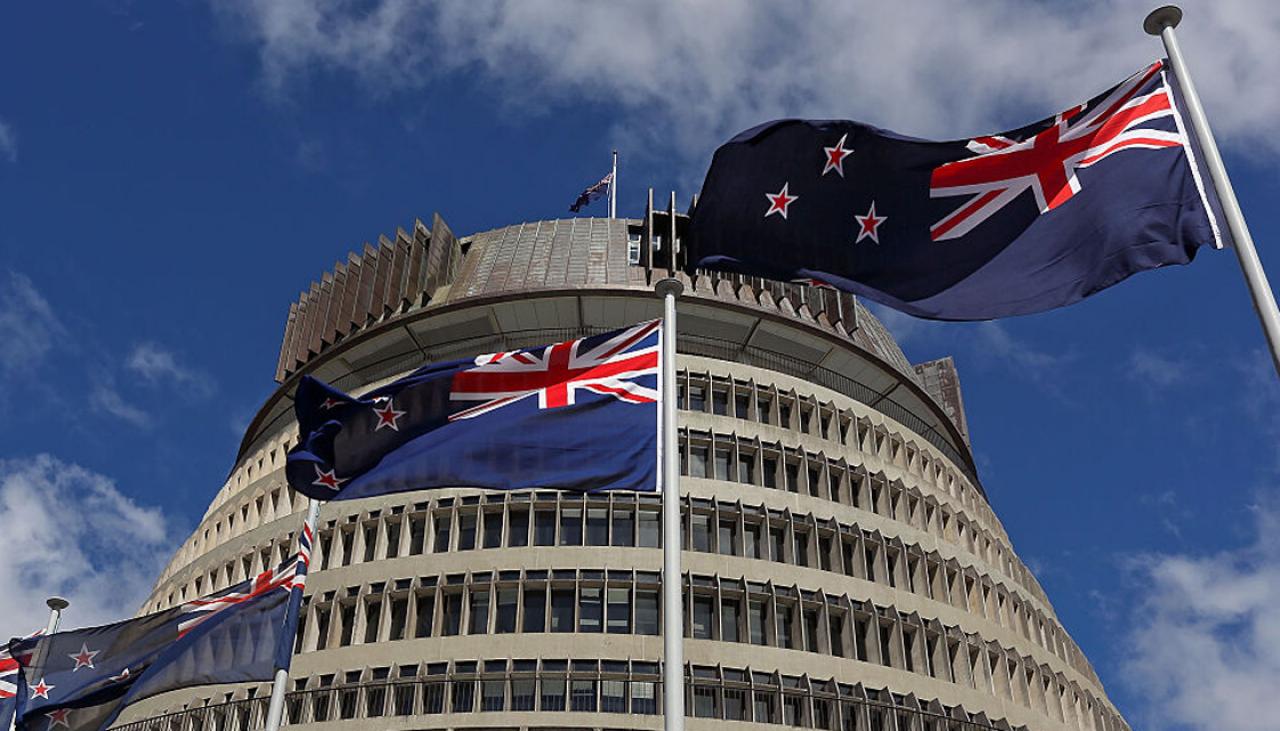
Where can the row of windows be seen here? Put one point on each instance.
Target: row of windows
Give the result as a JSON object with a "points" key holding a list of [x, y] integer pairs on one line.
{"points": [[697, 392], [724, 610], [589, 686], [619, 519]]}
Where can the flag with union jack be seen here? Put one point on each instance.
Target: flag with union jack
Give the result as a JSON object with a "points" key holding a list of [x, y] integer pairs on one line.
{"points": [[576, 415], [996, 225], [80, 680]]}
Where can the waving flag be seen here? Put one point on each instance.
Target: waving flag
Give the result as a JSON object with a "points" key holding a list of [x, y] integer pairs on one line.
{"points": [[81, 680], [580, 415], [592, 192], [1006, 224]]}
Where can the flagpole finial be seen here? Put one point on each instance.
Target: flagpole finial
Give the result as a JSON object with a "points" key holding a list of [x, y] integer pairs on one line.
{"points": [[1165, 16], [667, 286], [57, 603]]}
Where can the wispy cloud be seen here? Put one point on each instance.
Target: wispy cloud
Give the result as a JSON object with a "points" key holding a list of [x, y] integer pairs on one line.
{"points": [[704, 69], [69, 531], [1205, 644], [8, 142], [158, 365], [106, 399], [29, 329], [1156, 370], [1001, 344]]}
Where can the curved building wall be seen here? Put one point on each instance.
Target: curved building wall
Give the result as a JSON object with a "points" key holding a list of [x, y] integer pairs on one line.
{"points": [[843, 568]]}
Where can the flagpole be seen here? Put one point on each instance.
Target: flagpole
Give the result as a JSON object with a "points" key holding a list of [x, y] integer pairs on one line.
{"points": [[280, 685], [1161, 22], [56, 604], [613, 188], [672, 579]]}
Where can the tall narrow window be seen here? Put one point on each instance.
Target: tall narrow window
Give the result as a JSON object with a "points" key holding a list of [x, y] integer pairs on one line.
{"points": [[562, 606], [619, 611], [722, 465], [786, 638], [399, 613], [698, 460], [535, 610], [741, 405], [650, 524], [701, 532], [441, 528], [778, 543], [729, 617], [746, 468], [756, 622], [769, 471], [646, 612], [479, 612], [452, 614], [424, 615], [417, 535], [492, 530], [571, 527], [697, 398], [591, 609], [703, 617], [598, 527], [727, 537], [811, 629], [518, 528], [720, 402], [751, 540], [624, 526], [505, 619], [544, 528], [466, 531], [372, 617], [393, 538]]}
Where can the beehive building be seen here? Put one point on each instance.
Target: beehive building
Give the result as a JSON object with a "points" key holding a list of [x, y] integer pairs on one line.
{"points": [[843, 568]]}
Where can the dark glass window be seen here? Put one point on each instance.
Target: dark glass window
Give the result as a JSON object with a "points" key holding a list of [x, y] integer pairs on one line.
{"points": [[727, 537], [704, 702], [756, 622], [801, 548], [452, 614], [522, 694], [466, 531], [762, 408], [464, 696], [479, 612], [729, 611], [518, 529], [698, 460], [646, 612], [836, 630], [399, 614], [562, 606], [552, 694], [766, 709], [644, 698], [701, 533], [322, 627], [492, 694], [746, 469], [598, 527], [535, 610], [348, 615], [824, 553], [778, 541], [624, 526], [786, 639], [769, 470], [571, 527], [613, 696], [697, 398], [393, 538], [508, 603], [704, 610], [751, 540], [741, 405], [492, 530], [793, 477], [544, 528], [815, 482], [417, 535], [720, 402], [735, 704], [441, 527], [722, 465], [811, 625], [425, 611], [372, 617], [583, 695]]}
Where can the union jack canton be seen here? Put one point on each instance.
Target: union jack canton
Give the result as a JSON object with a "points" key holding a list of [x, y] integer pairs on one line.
{"points": [[995, 225]]}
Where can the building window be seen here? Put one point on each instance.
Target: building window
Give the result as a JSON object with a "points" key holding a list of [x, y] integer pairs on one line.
{"points": [[466, 531], [698, 460], [720, 402], [619, 611], [746, 469], [479, 612], [591, 610], [633, 248], [697, 398], [562, 606], [598, 527], [704, 702], [613, 696], [393, 538], [492, 530], [727, 537], [583, 695], [452, 614], [441, 528], [518, 529], [417, 535], [650, 529], [786, 638], [701, 532], [552, 694], [492, 695], [425, 611], [751, 540], [624, 525], [778, 543], [722, 465], [372, 615], [644, 698], [464, 696], [756, 622], [522, 694], [535, 610], [544, 528], [399, 613], [769, 467], [571, 527], [703, 617], [508, 603], [646, 612], [729, 611]]}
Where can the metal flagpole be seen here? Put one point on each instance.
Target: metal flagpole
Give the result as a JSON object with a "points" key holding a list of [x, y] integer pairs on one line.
{"points": [[1161, 22], [613, 188], [672, 579], [280, 685], [56, 604]]}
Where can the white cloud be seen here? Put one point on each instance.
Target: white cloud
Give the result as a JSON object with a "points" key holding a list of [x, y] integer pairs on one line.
{"points": [[8, 142], [995, 340], [1153, 369], [157, 365], [28, 327], [1205, 647], [106, 398], [688, 73], [70, 532]]}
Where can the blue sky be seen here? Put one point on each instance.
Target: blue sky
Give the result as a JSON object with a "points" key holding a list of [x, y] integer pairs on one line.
{"points": [[171, 175]]}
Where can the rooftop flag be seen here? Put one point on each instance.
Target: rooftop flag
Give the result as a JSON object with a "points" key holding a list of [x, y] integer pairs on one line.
{"points": [[998, 225], [579, 415], [593, 192]]}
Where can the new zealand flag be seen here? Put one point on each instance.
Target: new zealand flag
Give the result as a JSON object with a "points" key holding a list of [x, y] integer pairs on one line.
{"points": [[1000, 225], [580, 415], [81, 680]]}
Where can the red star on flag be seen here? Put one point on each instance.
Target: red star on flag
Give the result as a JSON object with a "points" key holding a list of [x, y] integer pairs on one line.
{"points": [[327, 479], [835, 157], [59, 718], [869, 225], [41, 690], [84, 658], [778, 202], [388, 416]]}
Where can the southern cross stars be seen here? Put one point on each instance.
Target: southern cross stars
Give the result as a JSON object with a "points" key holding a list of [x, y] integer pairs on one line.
{"points": [[84, 658], [836, 156], [869, 225], [388, 416], [327, 478], [779, 201], [41, 690]]}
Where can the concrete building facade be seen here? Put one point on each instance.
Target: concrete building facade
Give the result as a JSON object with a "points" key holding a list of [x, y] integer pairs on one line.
{"points": [[843, 568]]}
